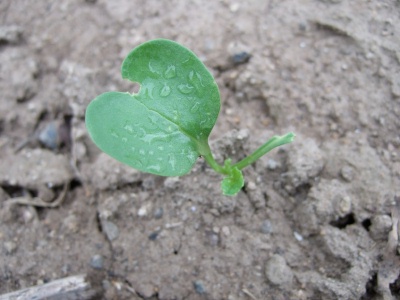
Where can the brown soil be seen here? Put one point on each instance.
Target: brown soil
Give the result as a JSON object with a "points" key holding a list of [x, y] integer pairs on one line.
{"points": [[317, 219]]}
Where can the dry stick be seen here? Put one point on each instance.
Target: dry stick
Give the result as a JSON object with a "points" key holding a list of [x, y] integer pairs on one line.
{"points": [[71, 288], [246, 292], [36, 201], [388, 268]]}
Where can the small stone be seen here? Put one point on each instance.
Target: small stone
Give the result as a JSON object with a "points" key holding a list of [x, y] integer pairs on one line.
{"points": [[212, 238], [71, 222], [225, 230], [278, 272], [380, 227], [298, 236], [199, 287], [97, 262], [158, 213], [46, 194], [153, 236], [148, 183], [234, 7], [347, 173], [142, 211], [48, 136], [11, 34], [251, 186], [241, 58], [10, 247], [266, 227], [272, 164], [345, 205], [28, 214], [110, 229], [171, 182]]}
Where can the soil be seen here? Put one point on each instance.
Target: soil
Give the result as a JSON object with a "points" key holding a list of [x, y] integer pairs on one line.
{"points": [[317, 219]]}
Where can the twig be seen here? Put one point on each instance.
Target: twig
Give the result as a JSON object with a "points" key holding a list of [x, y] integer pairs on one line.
{"points": [[71, 288], [36, 201], [246, 292]]}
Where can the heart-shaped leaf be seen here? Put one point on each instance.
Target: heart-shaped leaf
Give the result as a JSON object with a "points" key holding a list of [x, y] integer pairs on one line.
{"points": [[165, 127], [233, 181]]}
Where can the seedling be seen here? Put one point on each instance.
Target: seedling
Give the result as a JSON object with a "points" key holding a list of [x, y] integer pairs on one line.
{"points": [[164, 127]]}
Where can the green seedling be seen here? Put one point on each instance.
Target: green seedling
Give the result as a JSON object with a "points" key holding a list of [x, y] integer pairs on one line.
{"points": [[164, 127]]}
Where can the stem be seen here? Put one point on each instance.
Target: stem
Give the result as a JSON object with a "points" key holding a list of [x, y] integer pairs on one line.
{"points": [[272, 143], [217, 167], [205, 151]]}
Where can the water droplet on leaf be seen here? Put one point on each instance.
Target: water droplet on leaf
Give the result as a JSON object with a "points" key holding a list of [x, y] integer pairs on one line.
{"points": [[170, 72], [172, 161], [165, 91], [185, 88], [195, 107]]}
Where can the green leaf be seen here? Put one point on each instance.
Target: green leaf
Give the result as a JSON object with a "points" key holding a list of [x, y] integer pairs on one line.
{"points": [[165, 126], [233, 183]]}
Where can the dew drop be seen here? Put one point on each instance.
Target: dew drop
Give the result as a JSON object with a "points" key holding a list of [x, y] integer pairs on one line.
{"points": [[148, 90], [153, 69], [151, 152], [153, 119], [156, 168], [128, 128], [161, 148], [142, 152], [195, 77], [170, 72], [165, 91], [172, 161], [185, 88], [175, 115], [195, 107], [114, 134], [124, 139]]}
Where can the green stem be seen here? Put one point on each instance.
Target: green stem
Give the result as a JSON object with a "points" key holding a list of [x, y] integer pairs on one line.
{"points": [[217, 167], [205, 151], [272, 143]]}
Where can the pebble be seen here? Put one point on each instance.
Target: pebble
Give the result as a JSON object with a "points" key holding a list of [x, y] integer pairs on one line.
{"points": [[110, 229], [251, 186], [347, 173], [272, 164], [171, 182], [48, 136], [149, 183], [97, 262], [142, 211], [278, 272], [345, 204], [234, 7], [266, 227], [199, 287], [46, 194], [241, 58], [298, 236], [380, 227], [10, 247], [71, 222], [226, 231], [153, 236], [158, 213], [212, 238], [11, 34]]}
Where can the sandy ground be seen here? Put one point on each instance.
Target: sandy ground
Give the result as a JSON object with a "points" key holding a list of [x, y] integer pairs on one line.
{"points": [[317, 219]]}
